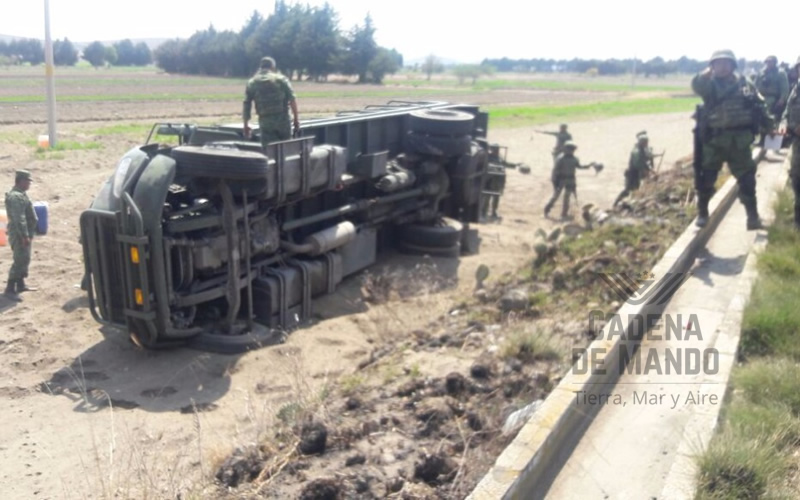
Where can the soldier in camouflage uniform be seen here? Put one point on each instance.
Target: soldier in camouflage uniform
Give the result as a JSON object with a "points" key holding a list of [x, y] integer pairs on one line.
{"points": [[21, 229], [640, 164], [563, 178], [773, 85], [273, 95], [562, 136], [734, 113], [793, 129]]}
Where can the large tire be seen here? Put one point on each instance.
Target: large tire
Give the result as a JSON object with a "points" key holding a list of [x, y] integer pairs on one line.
{"points": [[451, 252], [220, 163], [236, 344], [438, 145], [441, 122], [445, 233]]}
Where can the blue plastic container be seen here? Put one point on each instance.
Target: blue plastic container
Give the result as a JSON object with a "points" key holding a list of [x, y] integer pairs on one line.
{"points": [[40, 207]]}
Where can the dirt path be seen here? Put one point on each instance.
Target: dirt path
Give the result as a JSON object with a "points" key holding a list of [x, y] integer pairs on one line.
{"points": [[86, 415]]}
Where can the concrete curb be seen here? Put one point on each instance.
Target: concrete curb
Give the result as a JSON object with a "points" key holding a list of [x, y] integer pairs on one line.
{"points": [[681, 481], [528, 465]]}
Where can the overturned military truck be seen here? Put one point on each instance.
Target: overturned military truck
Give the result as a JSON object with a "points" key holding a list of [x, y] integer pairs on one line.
{"points": [[218, 244]]}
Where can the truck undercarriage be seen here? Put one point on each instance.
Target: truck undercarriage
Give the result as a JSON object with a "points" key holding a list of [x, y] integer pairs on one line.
{"points": [[220, 245]]}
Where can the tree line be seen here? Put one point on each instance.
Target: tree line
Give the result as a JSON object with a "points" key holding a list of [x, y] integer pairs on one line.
{"points": [[31, 51], [306, 42], [655, 67]]}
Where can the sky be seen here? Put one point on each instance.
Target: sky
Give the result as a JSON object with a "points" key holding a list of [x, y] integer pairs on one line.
{"points": [[454, 31]]}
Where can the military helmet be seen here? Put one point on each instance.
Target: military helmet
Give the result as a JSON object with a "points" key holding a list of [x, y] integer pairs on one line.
{"points": [[723, 54], [22, 175], [570, 145], [771, 58], [641, 133], [563, 125], [267, 62], [642, 137]]}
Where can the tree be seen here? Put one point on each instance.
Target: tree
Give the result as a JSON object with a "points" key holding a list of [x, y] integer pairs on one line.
{"points": [[361, 50], [170, 56], [251, 25], [126, 53], [64, 53], [27, 50], [95, 54], [141, 55], [473, 71], [432, 65], [385, 62], [111, 55], [320, 42]]}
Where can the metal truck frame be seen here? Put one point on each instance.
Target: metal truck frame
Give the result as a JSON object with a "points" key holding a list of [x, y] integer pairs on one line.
{"points": [[217, 244]]}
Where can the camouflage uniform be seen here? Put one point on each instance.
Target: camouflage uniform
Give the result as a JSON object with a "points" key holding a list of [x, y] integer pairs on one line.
{"points": [[773, 85], [272, 93], [735, 113], [640, 164], [563, 178], [21, 226], [793, 127]]}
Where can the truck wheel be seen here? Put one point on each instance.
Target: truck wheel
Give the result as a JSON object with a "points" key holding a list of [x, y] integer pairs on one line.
{"points": [[441, 122], [453, 251], [236, 344], [220, 163], [444, 233], [438, 145]]}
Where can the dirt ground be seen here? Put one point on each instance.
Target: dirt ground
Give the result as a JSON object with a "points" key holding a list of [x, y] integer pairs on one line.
{"points": [[86, 414]]}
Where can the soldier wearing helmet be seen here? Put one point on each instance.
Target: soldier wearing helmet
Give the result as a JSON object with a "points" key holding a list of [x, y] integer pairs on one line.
{"points": [[793, 130], [773, 85], [733, 113], [273, 96], [640, 164], [563, 178]]}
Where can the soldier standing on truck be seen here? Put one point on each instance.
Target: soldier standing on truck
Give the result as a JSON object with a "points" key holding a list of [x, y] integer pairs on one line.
{"points": [[562, 136], [563, 178], [640, 164], [273, 96], [732, 113], [21, 229]]}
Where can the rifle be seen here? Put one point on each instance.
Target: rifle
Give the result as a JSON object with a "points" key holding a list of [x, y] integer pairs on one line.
{"points": [[700, 131]]}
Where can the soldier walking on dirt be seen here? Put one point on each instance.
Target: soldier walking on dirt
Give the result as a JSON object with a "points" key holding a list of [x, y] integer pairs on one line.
{"points": [[273, 96], [562, 136], [733, 112], [21, 229], [563, 178], [640, 164], [793, 130]]}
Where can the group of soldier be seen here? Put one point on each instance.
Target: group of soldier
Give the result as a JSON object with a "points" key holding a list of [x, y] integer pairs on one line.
{"points": [[735, 111]]}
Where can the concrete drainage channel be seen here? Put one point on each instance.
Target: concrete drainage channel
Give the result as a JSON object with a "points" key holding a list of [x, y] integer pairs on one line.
{"points": [[528, 465]]}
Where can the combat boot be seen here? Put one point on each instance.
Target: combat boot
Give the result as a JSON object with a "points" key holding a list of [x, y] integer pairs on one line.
{"points": [[10, 292], [753, 220], [22, 287], [702, 210]]}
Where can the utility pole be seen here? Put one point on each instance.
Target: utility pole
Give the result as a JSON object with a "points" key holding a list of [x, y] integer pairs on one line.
{"points": [[49, 77]]}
